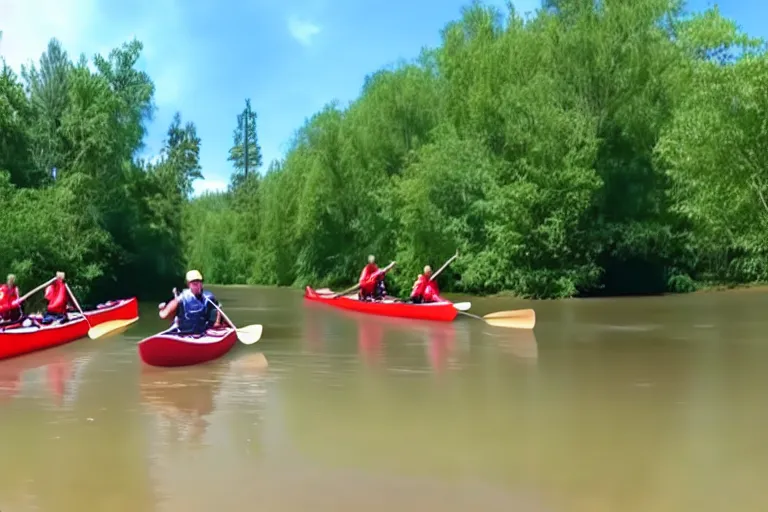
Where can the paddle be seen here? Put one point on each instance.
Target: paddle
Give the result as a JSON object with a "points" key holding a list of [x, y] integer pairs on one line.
{"points": [[248, 335], [445, 265], [462, 306], [77, 305], [514, 319], [29, 294], [354, 288], [106, 327], [348, 290], [101, 329]]}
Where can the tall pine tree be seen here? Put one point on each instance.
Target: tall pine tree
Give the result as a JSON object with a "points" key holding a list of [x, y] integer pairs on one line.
{"points": [[246, 122]]}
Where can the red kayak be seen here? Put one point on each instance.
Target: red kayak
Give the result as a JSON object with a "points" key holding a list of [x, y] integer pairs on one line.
{"points": [[170, 349], [17, 340], [440, 311]]}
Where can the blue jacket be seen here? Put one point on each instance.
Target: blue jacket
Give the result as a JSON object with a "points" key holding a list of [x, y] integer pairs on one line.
{"points": [[193, 314]]}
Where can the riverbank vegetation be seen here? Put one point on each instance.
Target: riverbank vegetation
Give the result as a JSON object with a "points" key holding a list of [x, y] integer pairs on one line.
{"points": [[594, 148], [75, 195], [597, 147]]}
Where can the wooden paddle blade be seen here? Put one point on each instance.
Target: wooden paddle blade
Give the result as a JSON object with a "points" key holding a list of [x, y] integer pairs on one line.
{"points": [[462, 306], [108, 327], [514, 319], [250, 334]]}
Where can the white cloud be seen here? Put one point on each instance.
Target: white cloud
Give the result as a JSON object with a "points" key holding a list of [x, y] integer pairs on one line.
{"points": [[202, 186], [28, 26], [85, 26], [303, 31]]}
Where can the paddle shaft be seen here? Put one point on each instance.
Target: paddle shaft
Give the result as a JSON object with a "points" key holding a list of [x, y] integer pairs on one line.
{"points": [[445, 265], [223, 314], [77, 305], [471, 315], [29, 294], [348, 290]]}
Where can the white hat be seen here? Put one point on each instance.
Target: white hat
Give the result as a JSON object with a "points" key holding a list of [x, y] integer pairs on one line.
{"points": [[194, 275]]}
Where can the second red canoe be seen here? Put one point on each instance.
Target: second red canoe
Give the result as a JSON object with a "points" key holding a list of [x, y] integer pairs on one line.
{"points": [[439, 311]]}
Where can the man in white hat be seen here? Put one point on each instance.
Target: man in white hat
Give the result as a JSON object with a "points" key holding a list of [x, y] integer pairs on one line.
{"points": [[193, 308]]}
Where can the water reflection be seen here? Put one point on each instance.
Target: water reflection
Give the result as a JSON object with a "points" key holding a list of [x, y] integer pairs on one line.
{"points": [[184, 399], [631, 405], [56, 371], [520, 343], [389, 343], [70, 440]]}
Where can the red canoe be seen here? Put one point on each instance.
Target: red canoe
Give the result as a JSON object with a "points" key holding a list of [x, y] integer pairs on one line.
{"points": [[440, 311], [15, 341], [169, 349]]}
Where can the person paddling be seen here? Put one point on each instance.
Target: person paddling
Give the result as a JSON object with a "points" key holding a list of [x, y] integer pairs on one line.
{"points": [[57, 296], [10, 309], [372, 280], [425, 290], [194, 314]]}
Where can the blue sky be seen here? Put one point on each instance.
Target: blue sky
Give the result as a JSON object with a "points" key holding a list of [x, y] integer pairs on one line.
{"points": [[290, 57]]}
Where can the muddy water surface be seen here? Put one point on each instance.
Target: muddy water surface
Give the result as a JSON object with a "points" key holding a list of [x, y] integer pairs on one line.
{"points": [[652, 404]]}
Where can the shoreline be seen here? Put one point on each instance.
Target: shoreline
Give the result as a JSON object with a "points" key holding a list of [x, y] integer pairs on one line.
{"points": [[703, 288]]}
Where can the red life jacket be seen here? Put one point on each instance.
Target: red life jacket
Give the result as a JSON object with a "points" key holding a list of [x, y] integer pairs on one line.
{"points": [[419, 286], [56, 295], [7, 296], [432, 291], [368, 278], [426, 289]]}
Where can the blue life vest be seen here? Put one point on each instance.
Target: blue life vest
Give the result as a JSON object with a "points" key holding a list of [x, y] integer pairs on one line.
{"points": [[194, 314]]}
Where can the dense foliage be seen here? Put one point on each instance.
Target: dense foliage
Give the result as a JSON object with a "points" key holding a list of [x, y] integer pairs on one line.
{"points": [[598, 147], [75, 196]]}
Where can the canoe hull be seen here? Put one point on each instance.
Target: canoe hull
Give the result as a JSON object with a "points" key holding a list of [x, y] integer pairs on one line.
{"points": [[437, 311], [168, 349], [23, 340]]}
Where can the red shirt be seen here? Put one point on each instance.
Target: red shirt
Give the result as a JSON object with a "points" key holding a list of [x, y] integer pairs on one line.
{"points": [[56, 295]]}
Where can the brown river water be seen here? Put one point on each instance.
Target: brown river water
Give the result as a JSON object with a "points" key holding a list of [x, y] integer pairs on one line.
{"points": [[641, 404]]}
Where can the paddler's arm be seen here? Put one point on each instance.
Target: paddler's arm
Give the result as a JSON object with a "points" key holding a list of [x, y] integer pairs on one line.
{"points": [[169, 309]]}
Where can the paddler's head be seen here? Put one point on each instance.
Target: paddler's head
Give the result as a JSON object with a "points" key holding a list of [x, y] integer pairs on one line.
{"points": [[60, 276], [11, 280], [195, 282], [371, 259], [427, 270]]}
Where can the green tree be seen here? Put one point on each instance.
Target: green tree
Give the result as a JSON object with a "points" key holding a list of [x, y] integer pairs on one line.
{"points": [[245, 142]]}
